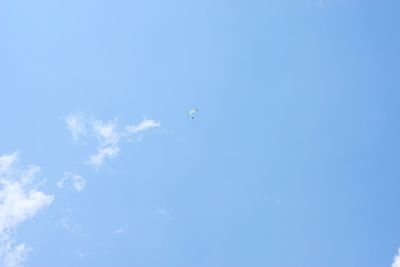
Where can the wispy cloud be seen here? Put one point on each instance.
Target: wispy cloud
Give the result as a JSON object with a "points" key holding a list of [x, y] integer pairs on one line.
{"points": [[20, 200], [164, 215], [76, 125], [108, 142], [15, 255], [119, 231], [108, 135], [6, 161], [73, 180], [106, 132], [68, 223], [97, 159], [396, 260], [145, 124]]}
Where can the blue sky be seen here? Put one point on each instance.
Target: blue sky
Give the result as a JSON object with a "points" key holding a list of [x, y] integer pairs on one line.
{"points": [[292, 160]]}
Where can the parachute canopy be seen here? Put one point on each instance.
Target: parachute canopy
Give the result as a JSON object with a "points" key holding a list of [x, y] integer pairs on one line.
{"points": [[192, 112]]}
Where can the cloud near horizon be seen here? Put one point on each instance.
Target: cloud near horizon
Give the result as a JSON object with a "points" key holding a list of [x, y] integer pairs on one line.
{"points": [[20, 200]]}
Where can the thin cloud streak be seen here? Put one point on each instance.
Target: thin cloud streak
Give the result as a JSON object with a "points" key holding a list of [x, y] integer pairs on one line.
{"points": [[143, 125]]}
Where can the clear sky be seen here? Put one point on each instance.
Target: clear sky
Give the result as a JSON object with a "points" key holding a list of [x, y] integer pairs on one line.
{"points": [[293, 159]]}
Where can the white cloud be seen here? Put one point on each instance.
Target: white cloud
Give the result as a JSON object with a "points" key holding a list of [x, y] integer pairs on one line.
{"points": [[97, 159], [108, 137], [396, 260], [107, 134], [16, 255], [76, 125], [145, 124], [72, 180], [6, 161], [20, 200]]}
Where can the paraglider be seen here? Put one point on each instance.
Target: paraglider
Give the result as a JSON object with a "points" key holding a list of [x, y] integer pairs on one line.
{"points": [[192, 112]]}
